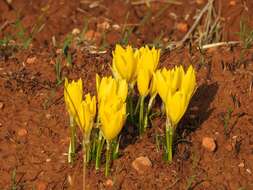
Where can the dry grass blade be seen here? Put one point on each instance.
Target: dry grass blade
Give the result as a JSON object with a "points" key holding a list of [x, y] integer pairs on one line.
{"points": [[141, 2]]}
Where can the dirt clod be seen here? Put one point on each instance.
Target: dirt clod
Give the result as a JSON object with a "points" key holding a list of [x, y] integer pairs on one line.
{"points": [[31, 60], [41, 185], [209, 144], [141, 164], [109, 183], [1, 105], [22, 132], [182, 27]]}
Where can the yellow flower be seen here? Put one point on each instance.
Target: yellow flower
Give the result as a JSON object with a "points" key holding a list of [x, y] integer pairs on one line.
{"points": [[112, 114], [143, 81], [168, 80], [86, 114], [189, 83], [124, 63], [110, 87], [73, 93], [148, 60], [176, 105]]}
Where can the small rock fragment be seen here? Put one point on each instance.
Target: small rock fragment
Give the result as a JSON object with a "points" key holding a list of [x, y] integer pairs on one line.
{"points": [[22, 132], [229, 147], [232, 3], [31, 60], [182, 27], [109, 183], [75, 31], [1, 105], [199, 2], [104, 25], [115, 26], [141, 164], [48, 115], [209, 144], [41, 185], [241, 165], [248, 170]]}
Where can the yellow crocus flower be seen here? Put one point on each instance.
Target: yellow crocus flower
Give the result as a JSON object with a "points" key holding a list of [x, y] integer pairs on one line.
{"points": [[124, 63], [110, 87], [86, 114], [112, 114], [143, 81], [148, 60], [73, 93], [168, 80], [176, 105], [189, 82]]}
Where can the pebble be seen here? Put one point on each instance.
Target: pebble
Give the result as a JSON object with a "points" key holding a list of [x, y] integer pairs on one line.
{"points": [[199, 2], [182, 27], [232, 3], [103, 26], [241, 165], [209, 144], [22, 132], [41, 185], [109, 183], [1, 105], [229, 147], [76, 31], [31, 60], [48, 115], [248, 170], [141, 164]]}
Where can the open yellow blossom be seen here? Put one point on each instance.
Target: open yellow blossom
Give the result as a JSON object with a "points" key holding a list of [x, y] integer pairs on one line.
{"points": [[73, 93], [124, 63]]}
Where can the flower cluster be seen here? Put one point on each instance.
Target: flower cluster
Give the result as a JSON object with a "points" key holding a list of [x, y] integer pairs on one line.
{"points": [[116, 96]]}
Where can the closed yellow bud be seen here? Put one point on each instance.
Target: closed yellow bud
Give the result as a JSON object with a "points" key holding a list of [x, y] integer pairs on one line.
{"points": [[124, 63], [143, 81], [73, 93], [176, 105], [112, 114], [148, 60], [189, 82], [110, 87], [86, 114]]}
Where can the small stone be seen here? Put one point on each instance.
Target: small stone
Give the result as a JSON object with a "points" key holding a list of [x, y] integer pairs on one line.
{"points": [[248, 170], [31, 60], [48, 115], [1, 105], [141, 164], [209, 144], [104, 25], [75, 31], [92, 35], [41, 185], [182, 27], [1, 124], [241, 165], [22, 132], [199, 2], [115, 26], [48, 160], [58, 51], [229, 147], [232, 3], [109, 183]]}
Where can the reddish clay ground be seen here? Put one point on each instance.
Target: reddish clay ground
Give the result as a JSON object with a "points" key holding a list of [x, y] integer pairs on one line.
{"points": [[34, 132]]}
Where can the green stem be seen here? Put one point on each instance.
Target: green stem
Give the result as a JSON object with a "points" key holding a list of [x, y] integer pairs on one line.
{"points": [[137, 106], [150, 103], [169, 133], [141, 114], [99, 150], [72, 148], [84, 162], [108, 158]]}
